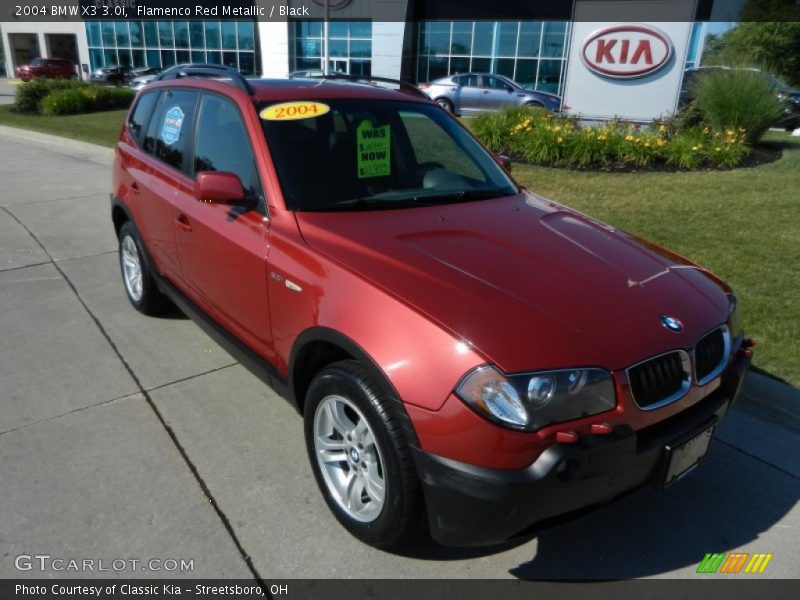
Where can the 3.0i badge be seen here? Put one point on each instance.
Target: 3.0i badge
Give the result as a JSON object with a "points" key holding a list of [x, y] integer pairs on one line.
{"points": [[671, 323]]}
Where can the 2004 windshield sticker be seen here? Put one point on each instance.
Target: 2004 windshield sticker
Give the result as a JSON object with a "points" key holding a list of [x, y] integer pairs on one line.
{"points": [[291, 111], [373, 147], [171, 129]]}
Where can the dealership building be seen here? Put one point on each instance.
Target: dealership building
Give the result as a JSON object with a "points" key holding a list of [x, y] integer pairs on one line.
{"points": [[548, 54]]}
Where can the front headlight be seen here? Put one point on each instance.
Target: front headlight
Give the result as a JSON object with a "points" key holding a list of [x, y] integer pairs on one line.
{"points": [[535, 400], [733, 316]]}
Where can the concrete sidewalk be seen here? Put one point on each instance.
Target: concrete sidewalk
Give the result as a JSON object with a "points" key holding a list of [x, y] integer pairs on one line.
{"points": [[123, 436]]}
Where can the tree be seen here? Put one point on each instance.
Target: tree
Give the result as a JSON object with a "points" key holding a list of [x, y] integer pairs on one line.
{"points": [[768, 37]]}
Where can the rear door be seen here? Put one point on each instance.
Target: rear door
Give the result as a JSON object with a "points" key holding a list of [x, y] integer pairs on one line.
{"points": [[162, 175], [469, 94], [223, 248]]}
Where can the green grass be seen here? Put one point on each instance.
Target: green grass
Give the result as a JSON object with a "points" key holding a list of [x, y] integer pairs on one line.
{"points": [[98, 128], [744, 225]]}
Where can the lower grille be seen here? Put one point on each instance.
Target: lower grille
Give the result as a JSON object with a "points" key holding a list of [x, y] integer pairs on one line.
{"points": [[660, 380], [710, 354]]}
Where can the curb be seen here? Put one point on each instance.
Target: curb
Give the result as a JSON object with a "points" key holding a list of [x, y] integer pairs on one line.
{"points": [[771, 399], [75, 148]]}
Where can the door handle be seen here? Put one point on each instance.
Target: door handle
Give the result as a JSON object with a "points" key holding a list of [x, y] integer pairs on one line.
{"points": [[135, 188], [485, 92], [183, 223]]}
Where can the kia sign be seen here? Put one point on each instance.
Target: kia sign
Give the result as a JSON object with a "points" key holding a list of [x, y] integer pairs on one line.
{"points": [[626, 51]]}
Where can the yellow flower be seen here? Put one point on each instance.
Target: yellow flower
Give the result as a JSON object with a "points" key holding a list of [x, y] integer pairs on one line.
{"points": [[602, 138], [662, 128], [629, 138], [661, 142], [557, 128], [718, 149], [695, 148], [730, 132], [647, 144], [560, 139]]}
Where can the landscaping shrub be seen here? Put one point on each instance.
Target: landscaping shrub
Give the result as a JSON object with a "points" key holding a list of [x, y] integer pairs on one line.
{"points": [[737, 98], [64, 102], [64, 97], [543, 138], [29, 95]]}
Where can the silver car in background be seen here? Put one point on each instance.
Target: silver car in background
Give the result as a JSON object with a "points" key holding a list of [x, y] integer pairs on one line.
{"points": [[472, 93]]}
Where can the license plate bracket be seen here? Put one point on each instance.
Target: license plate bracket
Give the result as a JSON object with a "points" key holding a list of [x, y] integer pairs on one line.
{"points": [[684, 455]]}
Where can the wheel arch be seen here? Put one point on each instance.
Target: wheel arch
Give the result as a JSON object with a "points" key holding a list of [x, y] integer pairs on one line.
{"points": [[317, 347]]}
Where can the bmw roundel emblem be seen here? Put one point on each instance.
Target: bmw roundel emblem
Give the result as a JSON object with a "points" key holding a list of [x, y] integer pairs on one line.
{"points": [[672, 324]]}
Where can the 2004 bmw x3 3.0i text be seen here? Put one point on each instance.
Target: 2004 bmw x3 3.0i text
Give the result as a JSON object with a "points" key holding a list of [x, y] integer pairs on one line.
{"points": [[459, 347]]}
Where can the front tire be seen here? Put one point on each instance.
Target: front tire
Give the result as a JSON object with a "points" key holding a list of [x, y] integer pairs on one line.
{"points": [[360, 457], [140, 287]]}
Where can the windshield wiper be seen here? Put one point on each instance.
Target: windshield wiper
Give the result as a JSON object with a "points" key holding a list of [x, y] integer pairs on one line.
{"points": [[458, 196]]}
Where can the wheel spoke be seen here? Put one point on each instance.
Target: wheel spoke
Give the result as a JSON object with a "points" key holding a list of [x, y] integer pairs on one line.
{"points": [[355, 485], [374, 486], [339, 419]]}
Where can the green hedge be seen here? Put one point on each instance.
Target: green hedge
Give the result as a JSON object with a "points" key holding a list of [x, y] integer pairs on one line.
{"points": [[64, 97], [29, 95], [540, 137]]}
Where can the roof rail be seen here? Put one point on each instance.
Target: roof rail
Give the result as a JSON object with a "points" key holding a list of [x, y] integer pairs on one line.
{"points": [[207, 70], [403, 85]]}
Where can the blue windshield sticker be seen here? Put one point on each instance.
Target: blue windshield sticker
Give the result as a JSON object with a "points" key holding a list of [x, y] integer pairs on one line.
{"points": [[173, 121]]}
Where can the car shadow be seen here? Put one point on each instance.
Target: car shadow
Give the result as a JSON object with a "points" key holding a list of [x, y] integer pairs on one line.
{"points": [[728, 502]]}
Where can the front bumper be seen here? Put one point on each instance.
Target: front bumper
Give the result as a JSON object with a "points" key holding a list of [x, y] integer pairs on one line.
{"points": [[476, 506]]}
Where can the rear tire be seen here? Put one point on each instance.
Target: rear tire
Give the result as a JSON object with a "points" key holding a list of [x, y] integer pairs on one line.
{"points": [[140, 287], [360, 457], [445, 104], [534, 105]]}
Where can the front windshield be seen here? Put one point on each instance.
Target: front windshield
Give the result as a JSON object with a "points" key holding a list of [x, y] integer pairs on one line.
{"points": [[369, 155]]}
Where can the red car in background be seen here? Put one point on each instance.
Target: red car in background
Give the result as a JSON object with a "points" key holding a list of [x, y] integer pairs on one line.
{"points": [[459, 346], [47, 68]]}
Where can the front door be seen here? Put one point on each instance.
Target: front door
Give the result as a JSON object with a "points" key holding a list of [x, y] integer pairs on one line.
{"points": [[223, 248]]}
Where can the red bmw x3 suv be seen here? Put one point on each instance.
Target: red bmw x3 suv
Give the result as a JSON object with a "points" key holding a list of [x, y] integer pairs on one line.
{"points": [[459, 347]]}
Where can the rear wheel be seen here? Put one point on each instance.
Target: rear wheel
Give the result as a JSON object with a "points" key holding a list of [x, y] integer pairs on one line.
{"points": [[445, 104], [360, 457], [140, 287], [534, 105]]}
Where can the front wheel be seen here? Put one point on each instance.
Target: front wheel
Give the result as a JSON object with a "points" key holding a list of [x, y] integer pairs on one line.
{"points": [[360, 457]]}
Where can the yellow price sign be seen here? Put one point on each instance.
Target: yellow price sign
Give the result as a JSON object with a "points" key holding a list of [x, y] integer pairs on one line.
{"points": [[289, 111]]}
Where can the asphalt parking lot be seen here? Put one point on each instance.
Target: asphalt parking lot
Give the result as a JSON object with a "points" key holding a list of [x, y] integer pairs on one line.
{"points": [[123, 436]]}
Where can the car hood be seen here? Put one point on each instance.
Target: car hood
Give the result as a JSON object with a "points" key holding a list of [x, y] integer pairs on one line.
{"points": [[530, 284]]}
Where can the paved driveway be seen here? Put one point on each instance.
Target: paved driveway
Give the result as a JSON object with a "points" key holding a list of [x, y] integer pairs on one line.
{"points": [[123, 436]]}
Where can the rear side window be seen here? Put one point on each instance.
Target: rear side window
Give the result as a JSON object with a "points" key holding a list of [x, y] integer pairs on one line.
{"points": [[169, 130], [140, 115], [222, 144]]}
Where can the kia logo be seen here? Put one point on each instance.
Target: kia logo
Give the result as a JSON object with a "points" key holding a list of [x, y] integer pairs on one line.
{"points": [[626, 51]]}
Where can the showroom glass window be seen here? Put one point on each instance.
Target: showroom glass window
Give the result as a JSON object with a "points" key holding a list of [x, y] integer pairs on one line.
{"points": [[349, 50], [166, 43], [532, 53]]}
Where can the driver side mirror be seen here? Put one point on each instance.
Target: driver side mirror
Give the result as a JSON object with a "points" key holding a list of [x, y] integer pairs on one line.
{"points": [[217, 187], [503, 161]]}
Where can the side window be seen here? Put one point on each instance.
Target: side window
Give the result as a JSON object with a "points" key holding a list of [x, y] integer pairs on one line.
{"points": [[222, 144], [169, 129], [494, 83], [141, 114], [469, 80]]}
